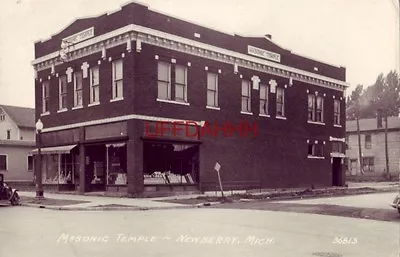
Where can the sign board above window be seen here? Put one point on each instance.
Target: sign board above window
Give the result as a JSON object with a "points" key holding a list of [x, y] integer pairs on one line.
{"points": [[263, 53], [78, 37]]}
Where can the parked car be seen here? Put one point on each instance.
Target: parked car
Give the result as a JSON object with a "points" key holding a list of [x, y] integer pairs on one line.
{"points": [[396, 203], [7, 193]]}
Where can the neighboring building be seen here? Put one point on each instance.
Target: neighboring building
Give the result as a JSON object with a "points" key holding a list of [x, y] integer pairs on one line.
{"points": [[102, 84], [372, 138], [17, 140]]}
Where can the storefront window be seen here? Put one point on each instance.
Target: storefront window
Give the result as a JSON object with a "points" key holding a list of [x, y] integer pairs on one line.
{"points": [[116, 159], [173, 164], [58, 168]]}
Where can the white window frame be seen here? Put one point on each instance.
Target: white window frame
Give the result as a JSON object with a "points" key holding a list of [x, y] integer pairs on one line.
{"points": [[247, 108], [319, 109], [280, 89], [180, 84], [311, 99], [264, 101], [6, 162], [214, 76], [168, 81], [336, 112], [78, 90], [117, 82], [61, 94], [45, 97], [94, 86]]}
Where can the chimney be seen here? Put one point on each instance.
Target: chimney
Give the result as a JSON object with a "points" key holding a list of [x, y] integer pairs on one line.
{"points": [[379, 118], [269, 36]]}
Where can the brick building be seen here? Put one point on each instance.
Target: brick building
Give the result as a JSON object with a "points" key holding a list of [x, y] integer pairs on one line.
{"points": [[103, 85]]}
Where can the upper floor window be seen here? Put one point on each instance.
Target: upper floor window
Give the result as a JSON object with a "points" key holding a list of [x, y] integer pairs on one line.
{"points": [[246, 96], [263, 99], [94, 85], [117, 79], [78, 96], [368, 141], [180, 83], [212, 89], [62, 99], [164, 81], [336, 112], [280, 102], [2, 117], [3, 162], [315, 149], [337, 147], [315, 108], [8, 134], [45, 96]]}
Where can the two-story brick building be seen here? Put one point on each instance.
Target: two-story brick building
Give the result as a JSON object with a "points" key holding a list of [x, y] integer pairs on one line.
{"points": [[103, 85]]}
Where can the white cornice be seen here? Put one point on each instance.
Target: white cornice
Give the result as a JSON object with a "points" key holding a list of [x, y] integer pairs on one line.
{"points": [[188, 46]]}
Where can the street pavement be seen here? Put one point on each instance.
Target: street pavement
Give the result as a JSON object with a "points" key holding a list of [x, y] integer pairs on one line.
{"points": [[378, 201], [27, 232]]}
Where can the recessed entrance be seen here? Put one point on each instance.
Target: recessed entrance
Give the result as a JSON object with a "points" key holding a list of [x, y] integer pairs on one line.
{"points": [[337, 176]]}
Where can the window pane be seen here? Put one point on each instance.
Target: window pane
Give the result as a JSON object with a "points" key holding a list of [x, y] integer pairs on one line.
{"points": [[211, 98], [96, 94], [245, 88], [117, 70], [263, 107], [180, 92], [180, 74], [94, 75], [212, 81], [245, 104], [163, 90], [78, 80], [263, 92], [119, 85], [163, 71]]}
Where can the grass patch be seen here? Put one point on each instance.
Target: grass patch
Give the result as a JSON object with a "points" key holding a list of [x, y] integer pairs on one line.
{"points": [[49, 201]]}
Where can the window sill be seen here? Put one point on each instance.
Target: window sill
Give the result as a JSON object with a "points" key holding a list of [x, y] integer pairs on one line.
{"points": [[62, 110], [316, 122], [315, 157], [213, 108], [116, 99], [247, 113], [264, 115], [94, 104], [45, 113], [281, 117], [171, 101], [337, 125], [77, 107]]}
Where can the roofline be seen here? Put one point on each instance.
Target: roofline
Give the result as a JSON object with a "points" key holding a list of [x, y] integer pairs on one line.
{"points": [[200, 45]]}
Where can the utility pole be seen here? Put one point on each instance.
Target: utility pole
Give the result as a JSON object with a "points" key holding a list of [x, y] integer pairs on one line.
{"points": [[386, 143]]}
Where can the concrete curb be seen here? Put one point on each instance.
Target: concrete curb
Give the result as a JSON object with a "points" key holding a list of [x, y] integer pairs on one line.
{"points": [[127, 208]]}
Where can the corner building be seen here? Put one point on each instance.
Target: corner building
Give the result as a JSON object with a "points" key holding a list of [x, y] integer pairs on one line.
{"points": [[105, 86]]}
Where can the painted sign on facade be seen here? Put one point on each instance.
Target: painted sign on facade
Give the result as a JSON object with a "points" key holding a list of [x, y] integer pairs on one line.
{"points": [[263, 53], [78, 37]]}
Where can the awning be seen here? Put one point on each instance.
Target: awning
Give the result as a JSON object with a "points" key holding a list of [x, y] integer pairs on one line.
{"points": [[55, 150]]}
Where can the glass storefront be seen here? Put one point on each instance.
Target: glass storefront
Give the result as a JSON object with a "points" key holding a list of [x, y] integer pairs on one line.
{"points": [[59, 168], [116, 164], [170, 163]]}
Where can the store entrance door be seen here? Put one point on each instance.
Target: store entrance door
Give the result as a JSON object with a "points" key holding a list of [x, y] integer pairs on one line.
{"points": [[95, 161], [337, 172]]}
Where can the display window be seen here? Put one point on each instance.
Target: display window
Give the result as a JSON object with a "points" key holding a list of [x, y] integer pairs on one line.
{"points": [[116, 164], [58, 168], [170, 163]]}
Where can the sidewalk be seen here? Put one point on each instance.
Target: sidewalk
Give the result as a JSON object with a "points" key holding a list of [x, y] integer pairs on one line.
{"points": [[88, 202], [98, 203]]}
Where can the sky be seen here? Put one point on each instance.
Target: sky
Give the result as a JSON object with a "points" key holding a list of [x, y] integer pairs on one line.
{"points": [[361, 35]]}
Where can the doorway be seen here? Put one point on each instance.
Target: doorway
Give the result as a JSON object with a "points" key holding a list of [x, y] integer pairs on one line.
{"points": [[337, 176]]}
